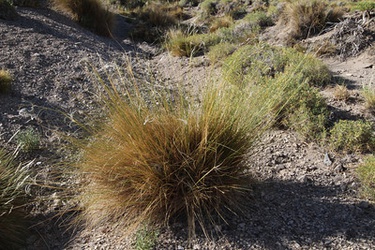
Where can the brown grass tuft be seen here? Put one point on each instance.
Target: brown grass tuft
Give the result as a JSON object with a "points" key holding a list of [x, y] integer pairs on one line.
{"points": [[153, 161], [89, 13]]}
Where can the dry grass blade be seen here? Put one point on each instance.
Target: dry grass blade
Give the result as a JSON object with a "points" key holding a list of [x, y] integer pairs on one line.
{"points": [[12, 217]]}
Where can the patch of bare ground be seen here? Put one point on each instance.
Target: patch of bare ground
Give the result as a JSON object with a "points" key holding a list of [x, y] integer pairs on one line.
{"points": [[307, 197]]}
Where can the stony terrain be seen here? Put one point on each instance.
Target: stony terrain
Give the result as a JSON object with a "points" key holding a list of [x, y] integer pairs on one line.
{"points": [[307, 197]]}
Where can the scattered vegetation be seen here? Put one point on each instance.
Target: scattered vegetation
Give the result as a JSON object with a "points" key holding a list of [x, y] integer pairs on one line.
{"points": [[366, 173], [221, 51], [5, 81], [352, 136], [12, 217], [89, 13]]}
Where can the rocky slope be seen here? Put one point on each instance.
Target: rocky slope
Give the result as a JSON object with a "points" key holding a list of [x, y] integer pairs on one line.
{"points": [[307, 197]]}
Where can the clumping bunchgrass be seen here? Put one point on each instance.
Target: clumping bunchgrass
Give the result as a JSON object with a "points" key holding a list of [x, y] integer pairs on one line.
{"points": [[5, 81], [153, 161], [352, 136], [181, 44], [366, 174], [341, 93], [221, 22], [368, 94], [305, 18], [12, 217], [89, 13], [154, 19]]}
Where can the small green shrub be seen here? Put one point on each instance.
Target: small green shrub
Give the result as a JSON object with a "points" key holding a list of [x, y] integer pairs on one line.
{"points": [[12, 217], [220, 51], [145, 239], [366, 173], [89, 13], [368, 94], [5, 81], [252, 63], [306, 113], [364, 6], [28, 139], [352, 136]]}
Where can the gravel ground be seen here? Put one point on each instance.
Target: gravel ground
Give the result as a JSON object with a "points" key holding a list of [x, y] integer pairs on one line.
{"points": [[306, 197]]}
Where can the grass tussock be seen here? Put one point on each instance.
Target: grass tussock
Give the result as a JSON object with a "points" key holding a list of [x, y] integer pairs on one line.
{"points": [[12, 217], [341, 93], [366, 173], [89, 13], [305, 18], [152, 162], [5, 81], [154, 19]]}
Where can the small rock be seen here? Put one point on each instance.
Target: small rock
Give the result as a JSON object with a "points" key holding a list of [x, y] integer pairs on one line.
{"points": [[327, 161]]}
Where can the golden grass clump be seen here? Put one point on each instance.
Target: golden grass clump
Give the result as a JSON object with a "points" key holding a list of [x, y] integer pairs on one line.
{"points": [[154, 161], [5, 81], [305, 18], [12, 217], [89, 13], [341, 93]]}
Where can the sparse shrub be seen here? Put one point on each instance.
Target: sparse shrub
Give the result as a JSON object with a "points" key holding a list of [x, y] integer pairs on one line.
{"points": [[89, 13], [366, 173], [12, 222], [341, 93], [208, 8], [5, 81], [306, 112], [352, 136], [369, 95], [28, 139], [153, 162], [259, 64], [220, 51], [145, 239], [254, 62], [7, 11], [305, 18]]}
